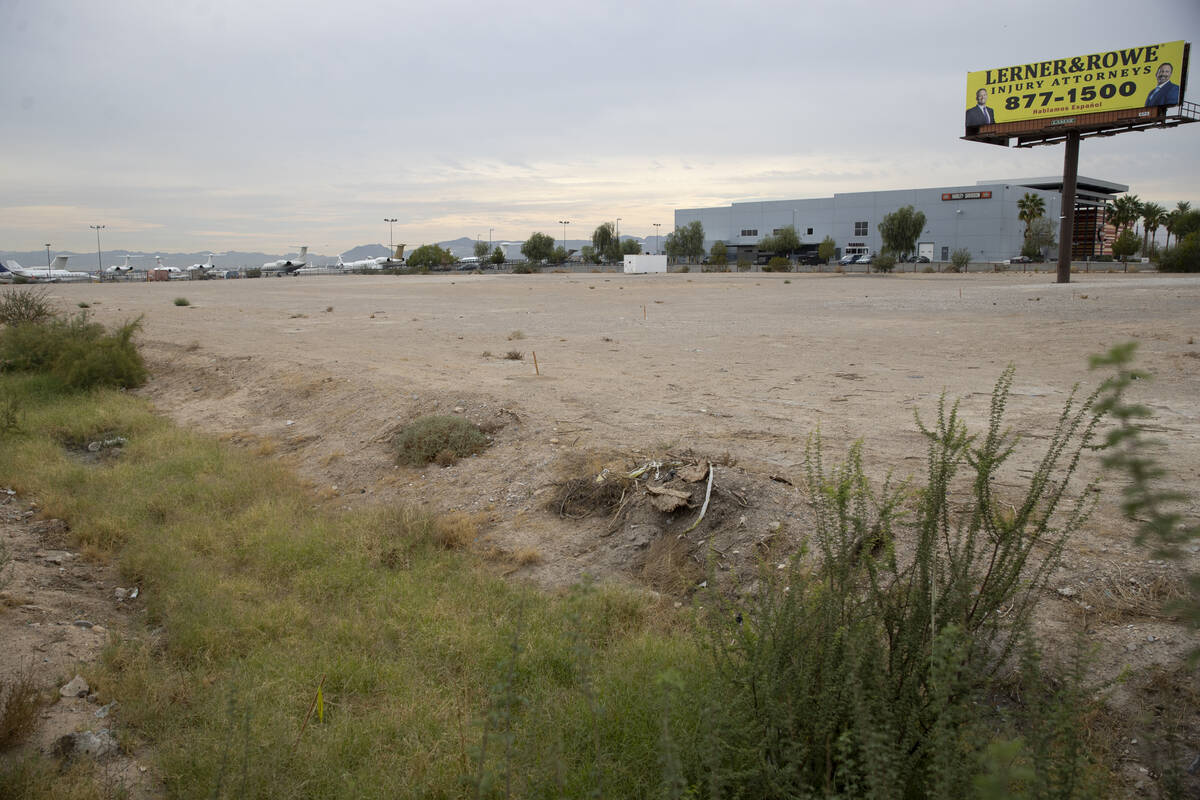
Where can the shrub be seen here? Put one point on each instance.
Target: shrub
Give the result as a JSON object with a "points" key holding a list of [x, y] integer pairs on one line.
{"points": [[928, 268], [884, 262], [25, 305], [865, 672], [440, 438], [1184, 257], [526, 268], [254, 272], [743, 265], [182, 301], [960, 258], [77, 351], [778, 264]]}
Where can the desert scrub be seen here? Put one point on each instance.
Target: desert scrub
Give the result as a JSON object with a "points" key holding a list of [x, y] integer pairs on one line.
{"points": [[77, 352], [438, 438], [182, 301], [19, 306]]}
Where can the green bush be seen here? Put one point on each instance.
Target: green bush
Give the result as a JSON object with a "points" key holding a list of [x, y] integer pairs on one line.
{"points": [[884, 262], [743, 265], [778, 264], [440, 438], [960, 258], [182, 301], [25, 305], [526, 268], [254, 272], [1184, 256], [875, 669], [76, 351]]}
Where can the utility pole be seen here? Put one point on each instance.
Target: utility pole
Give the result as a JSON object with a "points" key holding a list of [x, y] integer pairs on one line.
{"points": [[564, 223], [391, 232], [657, 238]]}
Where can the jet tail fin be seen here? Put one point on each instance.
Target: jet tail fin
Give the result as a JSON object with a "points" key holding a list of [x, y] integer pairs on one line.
{"points": [[60, 262], [399, 256]]}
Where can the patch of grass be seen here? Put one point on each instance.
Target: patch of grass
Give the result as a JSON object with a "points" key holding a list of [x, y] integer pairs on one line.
{"points": [[438, 438], [516, 335], [182, 301], [514, 355], [25, 306], [82, 304]]}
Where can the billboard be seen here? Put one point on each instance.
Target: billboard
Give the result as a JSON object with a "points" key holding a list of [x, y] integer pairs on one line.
{"points": [[1116, 80]]}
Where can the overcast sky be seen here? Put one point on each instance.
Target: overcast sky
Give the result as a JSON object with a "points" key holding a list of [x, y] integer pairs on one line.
{"points": [[195, 125]]}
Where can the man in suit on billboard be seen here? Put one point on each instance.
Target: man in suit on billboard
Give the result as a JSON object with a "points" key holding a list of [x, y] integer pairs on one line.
{"points": [[1166, 93], [980, 114]]}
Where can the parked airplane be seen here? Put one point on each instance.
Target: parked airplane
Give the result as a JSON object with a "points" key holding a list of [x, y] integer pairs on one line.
{"points": [[173, 273], [288, 265], [203, 268], [52, 274], [121, 269]]}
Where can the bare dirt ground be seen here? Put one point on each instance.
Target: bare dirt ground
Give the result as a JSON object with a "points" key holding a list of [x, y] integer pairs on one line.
{"points": [[733, 369]]}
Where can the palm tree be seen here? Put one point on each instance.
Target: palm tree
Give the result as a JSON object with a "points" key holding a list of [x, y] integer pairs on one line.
{"points": [[1030, 207], [1173, 218], [1153, 216], [1126, 210]]}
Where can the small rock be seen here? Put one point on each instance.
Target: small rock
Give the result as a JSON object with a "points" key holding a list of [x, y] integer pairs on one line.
{"points": [[86, 743], [93, 447], [459, 409], [1131, 647], [1067, 591], [102, 712], [99, 629], [77, 687], [554, 440], [290, 422], [82, 623], [120, 593]]}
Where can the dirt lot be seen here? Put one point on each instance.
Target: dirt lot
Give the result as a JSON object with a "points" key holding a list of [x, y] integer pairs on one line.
{"points": [[736, 369]]}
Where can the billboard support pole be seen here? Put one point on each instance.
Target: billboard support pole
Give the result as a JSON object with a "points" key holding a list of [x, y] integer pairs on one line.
{"points": [[1066, 232]]}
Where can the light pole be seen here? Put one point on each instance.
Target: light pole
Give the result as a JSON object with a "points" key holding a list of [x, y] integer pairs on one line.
{"points": [[619, 251], [564, 223], [391, 231], [657, 239], [47, 261], [99, 263], [490, 230]]}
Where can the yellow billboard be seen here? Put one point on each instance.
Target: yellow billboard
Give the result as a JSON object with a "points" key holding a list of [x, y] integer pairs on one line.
{"points": [[1136, 77]]}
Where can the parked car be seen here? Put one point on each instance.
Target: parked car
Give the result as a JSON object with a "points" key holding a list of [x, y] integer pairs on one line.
{"points": [[921, 260], [1020, 260], [864, 259], [848, 259]]}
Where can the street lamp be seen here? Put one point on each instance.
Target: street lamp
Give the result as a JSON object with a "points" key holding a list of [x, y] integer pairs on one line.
{"points": [[47, 261], [564, 223], [99, 263], [391, 230], [619, 252], [490, 239], [657, 239]]}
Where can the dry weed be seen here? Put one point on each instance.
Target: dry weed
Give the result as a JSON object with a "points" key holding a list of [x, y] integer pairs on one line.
{"points": [[1127, 594], [456, 530], [671, 566], [19, 702]]}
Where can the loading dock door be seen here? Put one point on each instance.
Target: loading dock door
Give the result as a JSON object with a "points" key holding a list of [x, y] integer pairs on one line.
{"points": [[925, 249]]}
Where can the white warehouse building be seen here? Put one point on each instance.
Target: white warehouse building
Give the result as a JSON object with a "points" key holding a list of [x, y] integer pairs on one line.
{"points": [[981, 218]]}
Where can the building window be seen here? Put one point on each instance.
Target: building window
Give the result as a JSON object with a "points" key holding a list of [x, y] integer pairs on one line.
{"points": [[809, 232], [749, 232], [860, 229], [777, 231]]}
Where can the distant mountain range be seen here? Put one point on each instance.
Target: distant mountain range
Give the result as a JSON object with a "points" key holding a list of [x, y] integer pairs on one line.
{"points": [[461, 248]]}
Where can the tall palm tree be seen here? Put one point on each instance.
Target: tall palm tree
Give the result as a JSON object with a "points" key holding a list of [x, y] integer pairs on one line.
{"points": [[1153, 216], [1126, 210], [1173, 218], [1030, 207]]}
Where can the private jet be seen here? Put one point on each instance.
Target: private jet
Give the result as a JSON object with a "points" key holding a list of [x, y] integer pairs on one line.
{"points": [[287, 266], [55, 273], [173, 273], [202, 269], [121, 269]]}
